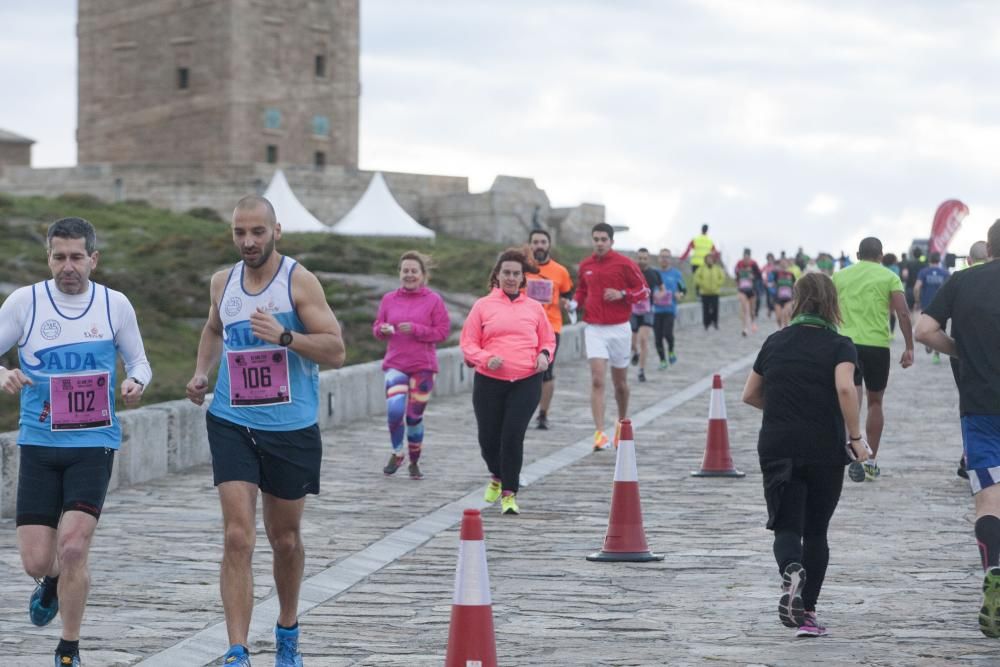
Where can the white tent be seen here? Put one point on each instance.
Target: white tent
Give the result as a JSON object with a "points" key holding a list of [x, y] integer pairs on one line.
{"points": [[378, 213], [292, 215]]}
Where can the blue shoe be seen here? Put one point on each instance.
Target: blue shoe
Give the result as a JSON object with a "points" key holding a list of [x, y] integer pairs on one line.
{"points": [[673, 358], [68, 660], [236, 656], [39, 614], [287, 644]]}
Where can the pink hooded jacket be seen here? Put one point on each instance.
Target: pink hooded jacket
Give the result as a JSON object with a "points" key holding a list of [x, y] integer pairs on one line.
{"points": [[516, 331], [415, 351]]}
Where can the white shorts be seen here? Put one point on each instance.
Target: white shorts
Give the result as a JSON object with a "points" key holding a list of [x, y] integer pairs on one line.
{"points": [[609, 341]]}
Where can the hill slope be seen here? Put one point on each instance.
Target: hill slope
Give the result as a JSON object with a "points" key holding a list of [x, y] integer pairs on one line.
{"points": [[163, 262]]}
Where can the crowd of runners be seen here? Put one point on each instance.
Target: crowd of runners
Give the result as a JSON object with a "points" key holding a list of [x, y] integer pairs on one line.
{"points": [[269, 328]]}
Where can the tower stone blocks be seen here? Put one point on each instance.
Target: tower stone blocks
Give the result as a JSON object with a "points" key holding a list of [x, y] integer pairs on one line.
{"points": [[218, 81]]}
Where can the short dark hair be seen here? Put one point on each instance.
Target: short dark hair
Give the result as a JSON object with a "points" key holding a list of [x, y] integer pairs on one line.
{"points": [[253, 202], [993, 238], [934, 257], [645, 250], [73, 228], [870, 248], [889, 259], [543, 232], [604, 227], [704, 229], [519, 255]]}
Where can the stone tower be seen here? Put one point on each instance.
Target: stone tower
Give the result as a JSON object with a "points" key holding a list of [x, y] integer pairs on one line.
{"points": [[218, 81]]}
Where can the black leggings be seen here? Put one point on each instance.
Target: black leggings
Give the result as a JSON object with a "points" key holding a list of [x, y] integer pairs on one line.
{"points": [[710, 310], [503, 411], [806, 503], [663, 327]]}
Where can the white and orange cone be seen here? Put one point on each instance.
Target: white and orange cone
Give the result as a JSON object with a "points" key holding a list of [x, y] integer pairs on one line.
{"points": [[717, 461], [625, 540], [471, 641]]}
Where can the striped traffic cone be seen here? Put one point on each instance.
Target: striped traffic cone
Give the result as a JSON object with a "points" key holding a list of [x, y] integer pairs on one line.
{"points": [[471, 641], [717, 461], [626, 538]]}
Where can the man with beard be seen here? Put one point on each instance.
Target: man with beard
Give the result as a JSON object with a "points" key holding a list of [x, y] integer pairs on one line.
{"points": [[69, 332], [553, 287], [268, 328]]}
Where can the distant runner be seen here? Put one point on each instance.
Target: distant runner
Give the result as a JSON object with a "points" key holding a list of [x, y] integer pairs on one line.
{"points": [[665, 307], [747, 274], [552, 287], [642, 314], [929, 281]]}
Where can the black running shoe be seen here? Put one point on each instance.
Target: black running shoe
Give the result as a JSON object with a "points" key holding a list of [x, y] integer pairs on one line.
{"points": [[543, 423], [962, 472], [635, 358], [395, 460]]}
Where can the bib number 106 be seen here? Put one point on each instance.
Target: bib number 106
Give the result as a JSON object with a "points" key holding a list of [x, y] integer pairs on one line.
{"points": [[255, 377]]}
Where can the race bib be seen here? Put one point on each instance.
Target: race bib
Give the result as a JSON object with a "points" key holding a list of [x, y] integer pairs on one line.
{"points": [[745, 283], [641, 307], [258, 377], [784, 292], [79, 402], [663, 297], [540, 290]]}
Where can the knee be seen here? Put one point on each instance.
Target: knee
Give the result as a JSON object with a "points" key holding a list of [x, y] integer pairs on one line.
{"points": [[597, 383], [36, 565], [72, 551], [239, 541], [621, 386], [286, 543]]}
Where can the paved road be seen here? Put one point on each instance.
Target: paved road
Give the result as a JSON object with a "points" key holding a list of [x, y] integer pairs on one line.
{"points": [[902, 588]]}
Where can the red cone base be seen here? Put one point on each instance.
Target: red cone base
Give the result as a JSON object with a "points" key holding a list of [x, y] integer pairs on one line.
{"points": [[471, 636]]}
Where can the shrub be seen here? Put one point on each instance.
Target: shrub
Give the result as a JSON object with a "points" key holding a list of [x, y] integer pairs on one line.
{"points": [[205, 213]]}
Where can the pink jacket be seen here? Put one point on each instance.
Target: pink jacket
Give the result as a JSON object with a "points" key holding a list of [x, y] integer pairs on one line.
{"points": [[516, 331], [415, 351]]}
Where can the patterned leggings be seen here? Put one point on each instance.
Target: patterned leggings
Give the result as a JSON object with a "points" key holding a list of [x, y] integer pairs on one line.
{"points": [[418, 387]]}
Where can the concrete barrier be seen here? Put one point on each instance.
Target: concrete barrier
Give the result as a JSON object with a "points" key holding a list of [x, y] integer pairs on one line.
{"points": [[170, 437]]}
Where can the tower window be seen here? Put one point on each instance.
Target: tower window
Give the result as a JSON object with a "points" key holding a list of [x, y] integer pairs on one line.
{"points": [[272, 154], [319, 159], [320, 67], [272, 119], [182, 78], [321, 126]]}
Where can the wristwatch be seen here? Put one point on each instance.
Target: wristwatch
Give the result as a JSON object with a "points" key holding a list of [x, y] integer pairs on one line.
{"points": [[138, 382], [286, 338]]}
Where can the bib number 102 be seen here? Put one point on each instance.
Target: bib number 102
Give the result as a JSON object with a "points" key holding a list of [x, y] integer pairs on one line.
{"points": [[80, 401], [255, 377]]}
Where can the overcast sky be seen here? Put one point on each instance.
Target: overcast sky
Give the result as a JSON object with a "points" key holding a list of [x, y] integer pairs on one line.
{"points": [[779, 123]]}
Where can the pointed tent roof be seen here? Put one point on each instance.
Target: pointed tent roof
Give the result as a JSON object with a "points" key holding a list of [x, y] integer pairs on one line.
{"points": [[378, 213], [292, 215]]}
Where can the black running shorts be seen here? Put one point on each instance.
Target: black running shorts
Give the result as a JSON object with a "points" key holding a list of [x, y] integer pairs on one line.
{"points": [[284, 464], [53, 480], [873, 362], [548, 375]]}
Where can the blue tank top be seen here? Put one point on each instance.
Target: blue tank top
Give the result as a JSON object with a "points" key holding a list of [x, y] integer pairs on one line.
{"points": [[286, 407], [71, 361]]}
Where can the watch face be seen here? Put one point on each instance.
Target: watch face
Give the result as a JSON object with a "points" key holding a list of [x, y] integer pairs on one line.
{"points": [[286, 339]]}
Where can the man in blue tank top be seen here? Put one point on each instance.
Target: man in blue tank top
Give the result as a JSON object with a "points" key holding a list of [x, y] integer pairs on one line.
{"points": [[69, 332], [269, 326]]}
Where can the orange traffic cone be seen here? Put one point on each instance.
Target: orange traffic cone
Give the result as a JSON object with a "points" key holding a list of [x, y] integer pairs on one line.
{"points": [[626, 538], [470, 639], [717, 461]]}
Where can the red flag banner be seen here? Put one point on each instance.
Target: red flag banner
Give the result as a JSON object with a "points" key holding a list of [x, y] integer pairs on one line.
{"points": [[947, 220]]}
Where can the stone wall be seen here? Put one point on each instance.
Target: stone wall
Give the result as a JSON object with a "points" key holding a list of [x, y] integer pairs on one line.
{"points": [[329, 193], [169, 437]]}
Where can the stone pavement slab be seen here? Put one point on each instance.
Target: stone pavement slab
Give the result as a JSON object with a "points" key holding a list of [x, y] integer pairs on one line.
{"points": [[902, 589]]}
